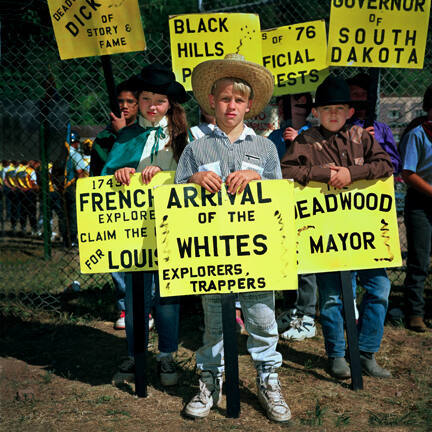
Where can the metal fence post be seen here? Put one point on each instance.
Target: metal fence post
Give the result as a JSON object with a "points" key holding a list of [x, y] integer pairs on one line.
{"points": [[45, 185]]}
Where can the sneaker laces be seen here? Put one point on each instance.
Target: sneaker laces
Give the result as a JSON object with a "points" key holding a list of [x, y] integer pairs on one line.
{"points": [[274, 393], [203, 395], [297, 323]]}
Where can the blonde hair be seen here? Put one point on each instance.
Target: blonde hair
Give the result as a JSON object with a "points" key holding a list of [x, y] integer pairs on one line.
{"points": [[239, 86]]}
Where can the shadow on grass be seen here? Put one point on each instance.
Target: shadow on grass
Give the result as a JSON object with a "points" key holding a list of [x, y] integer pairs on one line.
{"points": [[74, 352], [308, 362]]}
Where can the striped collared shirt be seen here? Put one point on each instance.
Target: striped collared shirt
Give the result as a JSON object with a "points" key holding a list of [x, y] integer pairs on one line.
{"points": [[215, 152]]}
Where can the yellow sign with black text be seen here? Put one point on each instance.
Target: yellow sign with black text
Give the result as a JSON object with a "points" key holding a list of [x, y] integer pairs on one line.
{"points": [[116, 223], [378, 33], [353, 228], [296, 55], [223, 243], [196, 38], [85, 28]]}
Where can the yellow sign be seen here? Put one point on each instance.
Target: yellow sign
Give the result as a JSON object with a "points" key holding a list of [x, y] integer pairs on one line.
{"points": [[116, 223], [85, 28], [378, 33], [199, 37], [223, 243], [296, 55], [353, 228]]}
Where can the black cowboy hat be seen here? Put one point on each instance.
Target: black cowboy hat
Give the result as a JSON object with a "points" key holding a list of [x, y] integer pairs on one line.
{"points": [[332, 91], [157, 78]]}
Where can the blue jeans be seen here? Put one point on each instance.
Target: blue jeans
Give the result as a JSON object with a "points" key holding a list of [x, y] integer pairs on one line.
{"points": [[120, 287], [304, 299], [372, 310], [166, 313], [418, 222], [259, 318]]}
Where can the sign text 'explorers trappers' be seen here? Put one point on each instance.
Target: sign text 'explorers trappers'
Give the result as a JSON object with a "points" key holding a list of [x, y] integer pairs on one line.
{"points": [[221, 243]]}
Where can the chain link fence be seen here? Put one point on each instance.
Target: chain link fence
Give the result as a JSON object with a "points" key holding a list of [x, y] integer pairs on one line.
{"points": [[42, 97]]}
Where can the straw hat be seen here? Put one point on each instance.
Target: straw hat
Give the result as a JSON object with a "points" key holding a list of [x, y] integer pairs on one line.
{"points": [[233, 66]]}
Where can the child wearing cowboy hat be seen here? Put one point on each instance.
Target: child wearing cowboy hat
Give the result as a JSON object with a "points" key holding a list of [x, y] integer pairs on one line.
{"points": [[234, 89], [337, 153], [150, 147]]}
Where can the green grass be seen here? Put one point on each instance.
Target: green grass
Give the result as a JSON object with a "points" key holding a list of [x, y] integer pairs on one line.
{"points": [[315, 417]]}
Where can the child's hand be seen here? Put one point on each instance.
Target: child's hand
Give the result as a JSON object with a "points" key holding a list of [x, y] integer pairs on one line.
{"points": [[339, 177], [371, 130], [290, 134], [209, 180], [118, 122], [238, 180], [149, 172], [122, 175]]}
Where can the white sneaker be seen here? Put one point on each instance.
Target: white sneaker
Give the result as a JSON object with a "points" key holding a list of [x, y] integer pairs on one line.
{"points": [[210, 394], [120, 323], [271, 398], [285, 318], [301, 328], [151, 322]]}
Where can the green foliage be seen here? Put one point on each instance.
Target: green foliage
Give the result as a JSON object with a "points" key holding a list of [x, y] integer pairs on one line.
{"points": [[103, 399], [387, 419], [47, 378], [114, 412], [315, 417], [342, 420], [155, 13]]}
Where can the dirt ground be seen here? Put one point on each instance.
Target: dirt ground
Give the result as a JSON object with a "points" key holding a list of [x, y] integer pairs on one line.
{"points": [[55, 375]]}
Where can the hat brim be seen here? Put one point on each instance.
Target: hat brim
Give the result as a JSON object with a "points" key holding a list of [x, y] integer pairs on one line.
{"points": [[258, 77], [174, 90]]}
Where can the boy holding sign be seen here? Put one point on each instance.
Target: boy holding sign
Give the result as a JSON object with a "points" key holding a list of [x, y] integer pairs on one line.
{"points": [[338, 154], [234, 89]]}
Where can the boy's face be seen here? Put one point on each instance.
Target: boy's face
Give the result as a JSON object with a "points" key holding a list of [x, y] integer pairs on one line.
{"points": [[128, 105], [333, 117], [230, 106]]}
